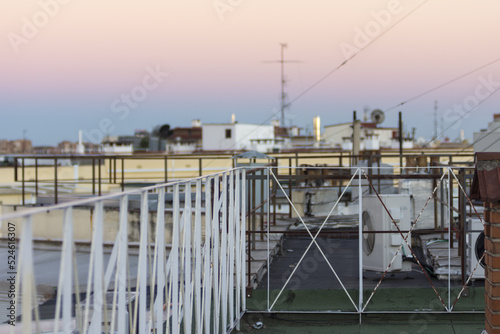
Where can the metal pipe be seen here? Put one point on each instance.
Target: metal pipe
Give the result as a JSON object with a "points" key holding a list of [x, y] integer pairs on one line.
{"points": [[36, 177], [99, 175], [123, 174], [55, 181], [93, 176], [461, 207], [23, 180]]}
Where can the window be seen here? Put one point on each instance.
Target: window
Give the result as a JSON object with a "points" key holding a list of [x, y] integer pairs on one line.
{"points": [[228, 133]]}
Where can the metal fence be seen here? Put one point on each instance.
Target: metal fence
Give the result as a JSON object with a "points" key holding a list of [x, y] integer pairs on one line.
{"points": [[196, 284], [447, 194]]}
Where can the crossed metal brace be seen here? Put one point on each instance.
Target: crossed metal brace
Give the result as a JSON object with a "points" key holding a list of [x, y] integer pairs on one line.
{"points": [[449, 309], [314, 241]]}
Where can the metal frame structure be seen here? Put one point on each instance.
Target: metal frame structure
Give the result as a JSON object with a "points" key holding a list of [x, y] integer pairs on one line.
{"points": [[198, 287], [360, 307]]}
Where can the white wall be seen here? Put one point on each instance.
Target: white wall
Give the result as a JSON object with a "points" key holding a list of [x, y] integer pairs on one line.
{"points": [[488, 141], [333, 134], [214, 136]]}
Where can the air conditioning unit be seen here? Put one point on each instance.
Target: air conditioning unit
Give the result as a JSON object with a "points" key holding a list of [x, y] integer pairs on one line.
{"points": [[380, 248], [475, 248]]}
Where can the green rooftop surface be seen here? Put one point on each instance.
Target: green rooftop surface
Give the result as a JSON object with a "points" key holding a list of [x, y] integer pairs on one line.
{"points": [[371, 324], [295, 312]]}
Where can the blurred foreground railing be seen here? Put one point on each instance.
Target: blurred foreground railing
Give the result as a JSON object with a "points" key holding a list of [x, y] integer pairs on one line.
{"points": [[194, 285]]}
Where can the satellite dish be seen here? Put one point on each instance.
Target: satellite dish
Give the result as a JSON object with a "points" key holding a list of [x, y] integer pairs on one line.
{"points": [[377, 116]]}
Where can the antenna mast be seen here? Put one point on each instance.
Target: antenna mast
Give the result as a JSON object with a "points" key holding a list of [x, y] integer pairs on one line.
{"points": [[283, 94], [435, 119], [282, 61]]}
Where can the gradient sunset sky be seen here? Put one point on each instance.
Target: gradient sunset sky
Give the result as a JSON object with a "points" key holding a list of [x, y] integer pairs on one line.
{"points": [[66, 74]]}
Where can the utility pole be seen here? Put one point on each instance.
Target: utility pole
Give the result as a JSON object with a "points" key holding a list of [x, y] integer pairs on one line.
{"points": [[282, 61]]}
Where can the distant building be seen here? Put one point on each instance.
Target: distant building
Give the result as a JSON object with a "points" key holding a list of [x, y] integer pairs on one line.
{"points": [[372, 137], [488, 140], [15, 146], [237, 136], [186, 140]]}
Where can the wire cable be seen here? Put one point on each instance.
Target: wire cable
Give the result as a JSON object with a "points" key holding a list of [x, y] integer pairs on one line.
{"points": [[354, 55], [463, 116], [442, 85]]}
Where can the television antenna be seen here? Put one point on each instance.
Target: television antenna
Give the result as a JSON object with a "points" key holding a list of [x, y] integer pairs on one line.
{"points": [[284, 105]]}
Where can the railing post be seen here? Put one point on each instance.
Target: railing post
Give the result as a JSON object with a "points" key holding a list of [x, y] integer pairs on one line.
{"points": [[99, 175], [462, 220], [123, 174], [55, 181], [93, 176], [36, 177], [15, 170], [23, 182]]}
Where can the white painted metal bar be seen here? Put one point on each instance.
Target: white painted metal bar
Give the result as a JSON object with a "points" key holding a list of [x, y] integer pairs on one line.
{"points": [[122, 266], [268, 201], [230, 251], [242, 240], [238, 245], [450, 204], [215, 260], [64, 289], [198, 258], [98, 295], [159, 263], [360, 241], [174, 272], [26, 273], [223, 254], [187, 259], [207, 259]]}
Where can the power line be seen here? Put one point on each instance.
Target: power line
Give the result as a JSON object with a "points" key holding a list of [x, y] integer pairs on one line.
{"points": [[442, 85], [355, 54], [465, 114]]}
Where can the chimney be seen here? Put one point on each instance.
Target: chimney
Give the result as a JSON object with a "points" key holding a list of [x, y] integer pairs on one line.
{"points": [[233, 118], [80, 149]]}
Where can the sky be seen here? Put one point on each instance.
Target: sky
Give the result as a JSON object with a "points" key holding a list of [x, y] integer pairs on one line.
{"points": [[110, 67]]}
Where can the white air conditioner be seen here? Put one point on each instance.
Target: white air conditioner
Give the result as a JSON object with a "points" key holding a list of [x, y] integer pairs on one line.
{"points": [[475, 248], [380, 248]]}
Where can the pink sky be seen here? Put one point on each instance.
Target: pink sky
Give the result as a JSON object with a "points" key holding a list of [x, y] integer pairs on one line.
{"points": [[90, 52]]}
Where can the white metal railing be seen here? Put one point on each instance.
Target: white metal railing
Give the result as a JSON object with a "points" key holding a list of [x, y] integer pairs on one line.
{"points": [[199, 287], [362, 182]]}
